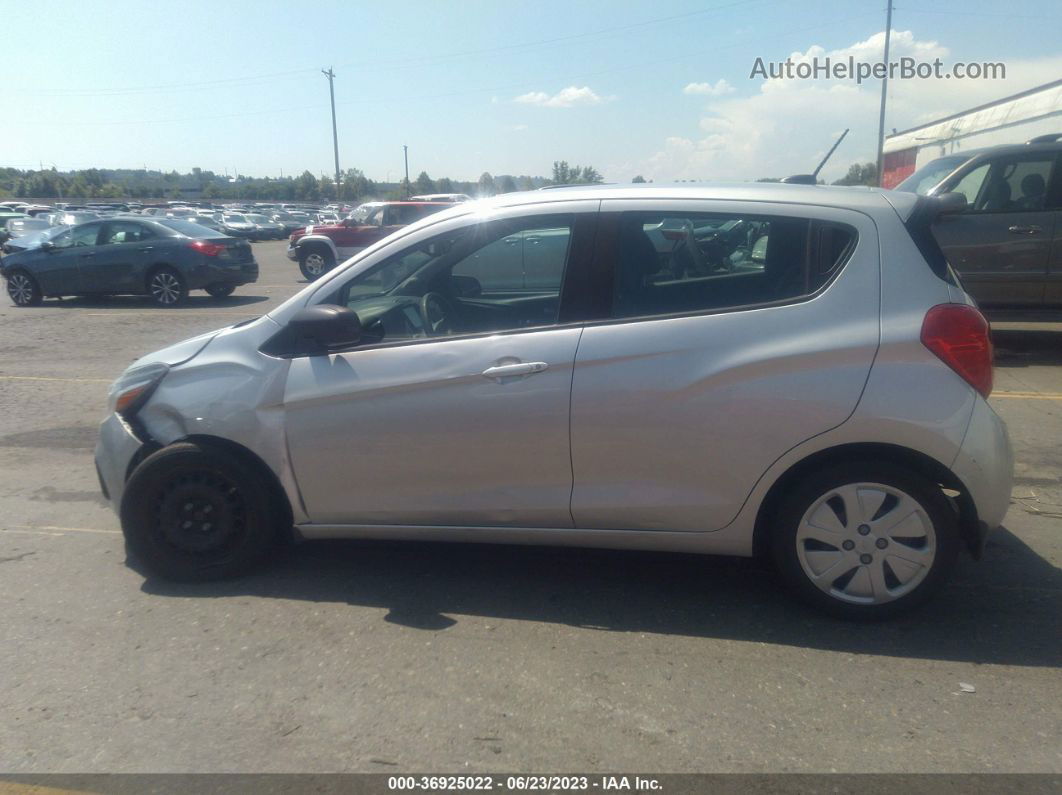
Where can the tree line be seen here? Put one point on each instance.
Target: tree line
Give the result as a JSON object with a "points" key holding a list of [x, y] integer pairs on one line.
{"points": [[96, 183]]}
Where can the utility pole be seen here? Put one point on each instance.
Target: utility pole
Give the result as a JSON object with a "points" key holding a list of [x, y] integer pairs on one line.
{"points": [[405, 154], [884, 89], [335, 134]]}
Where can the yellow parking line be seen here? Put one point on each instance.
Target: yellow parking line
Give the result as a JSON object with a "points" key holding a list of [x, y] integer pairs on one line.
{"points": [[22, 788], [156, 313], [54, 378], [1029, 395], [53, 530], [65, 529]]}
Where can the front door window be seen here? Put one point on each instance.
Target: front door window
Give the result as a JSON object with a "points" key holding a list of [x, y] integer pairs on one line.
{"points": [[489, 277]]}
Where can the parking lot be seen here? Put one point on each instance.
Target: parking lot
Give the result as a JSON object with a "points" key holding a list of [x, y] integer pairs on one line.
{"points": [[382, 657]]}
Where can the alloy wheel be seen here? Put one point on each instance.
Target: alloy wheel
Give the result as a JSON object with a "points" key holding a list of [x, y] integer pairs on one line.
{"points": [[315, 264], [21, 289], [866, 543], [165, 288]]}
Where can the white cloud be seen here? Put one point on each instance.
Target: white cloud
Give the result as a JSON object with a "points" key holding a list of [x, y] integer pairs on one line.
{"points": [[718, 89], [518, 127], [787, 126], [565, 98]]}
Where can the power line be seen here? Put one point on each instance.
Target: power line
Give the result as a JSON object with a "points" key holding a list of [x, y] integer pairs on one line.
{"points": [[538, 81], [377, 65], [186, 86], [555, 40]]}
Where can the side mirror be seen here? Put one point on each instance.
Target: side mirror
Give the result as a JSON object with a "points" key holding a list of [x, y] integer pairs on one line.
{"points": [[438, 248], [314, 331], [466, 286], [47, 245], [949, 204]]}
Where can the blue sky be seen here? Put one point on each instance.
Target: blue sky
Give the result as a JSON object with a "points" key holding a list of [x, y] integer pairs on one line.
{"points": [[473, 86]]}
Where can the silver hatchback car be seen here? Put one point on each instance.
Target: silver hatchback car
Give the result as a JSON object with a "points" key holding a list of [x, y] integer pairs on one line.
{"points": [[780, 370]]}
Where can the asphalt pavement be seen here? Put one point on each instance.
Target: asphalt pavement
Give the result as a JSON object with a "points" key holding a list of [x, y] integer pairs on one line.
{"points": [[394, 657]]}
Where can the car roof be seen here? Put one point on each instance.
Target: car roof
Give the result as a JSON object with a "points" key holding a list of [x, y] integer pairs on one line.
{"points": [[843, 197], [1006, 149]]}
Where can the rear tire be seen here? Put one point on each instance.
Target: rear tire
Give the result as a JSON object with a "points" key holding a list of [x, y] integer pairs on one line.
{"points": [[315, 262], [193, 512], [220, 290], [166, 287], [23, 289], [865, 541]]}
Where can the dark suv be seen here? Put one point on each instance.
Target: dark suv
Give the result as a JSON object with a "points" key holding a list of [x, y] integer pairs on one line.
{"points": [[1007, 245]]}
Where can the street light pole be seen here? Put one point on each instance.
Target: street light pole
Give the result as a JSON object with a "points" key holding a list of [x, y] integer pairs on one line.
{"points": [[405, 155], [335, 134], [884, 89]]}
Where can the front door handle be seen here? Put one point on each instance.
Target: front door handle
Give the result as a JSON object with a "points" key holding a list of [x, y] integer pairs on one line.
{"points": [[86, 256], [509, 370], [1025, 230], [147, 248]]}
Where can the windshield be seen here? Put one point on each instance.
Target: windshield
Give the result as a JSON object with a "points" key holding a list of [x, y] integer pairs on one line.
{"points": [[235, 219], [389, 275], [257, 219], [929, 176]]}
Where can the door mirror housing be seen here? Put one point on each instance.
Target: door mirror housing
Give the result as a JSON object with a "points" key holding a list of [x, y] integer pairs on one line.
{"points": [[314, 331], [466, 286], [47, 245], [949, 204]]}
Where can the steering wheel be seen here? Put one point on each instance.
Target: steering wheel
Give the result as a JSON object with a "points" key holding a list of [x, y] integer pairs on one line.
{"points": [[437, 313]]}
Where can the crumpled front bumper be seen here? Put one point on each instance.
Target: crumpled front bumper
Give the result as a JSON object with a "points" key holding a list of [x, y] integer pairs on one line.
{"points": [[117, 446]]}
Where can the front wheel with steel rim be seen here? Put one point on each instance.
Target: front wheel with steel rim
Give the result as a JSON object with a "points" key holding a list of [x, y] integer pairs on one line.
{"points": [[316, 262], [166, 287], [865, 541], [193, 511], [23, 289]]}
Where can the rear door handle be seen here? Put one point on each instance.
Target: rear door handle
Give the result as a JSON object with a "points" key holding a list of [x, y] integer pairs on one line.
{"points": [[1025, 230], [86, 256], [147, 248], [509, 370]]}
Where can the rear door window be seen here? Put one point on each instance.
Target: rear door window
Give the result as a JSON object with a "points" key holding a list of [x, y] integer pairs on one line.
{"points": [[691, 262], [125, 232]]}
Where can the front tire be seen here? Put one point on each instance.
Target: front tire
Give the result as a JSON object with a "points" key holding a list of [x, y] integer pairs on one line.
{"points": [[220, 290], [194, 512], [315, 262], [23, 289], [865, 541], [167, 288]]}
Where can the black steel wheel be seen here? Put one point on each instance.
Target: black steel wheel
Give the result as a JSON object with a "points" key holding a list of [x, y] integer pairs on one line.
{"points": [[193, 511]]}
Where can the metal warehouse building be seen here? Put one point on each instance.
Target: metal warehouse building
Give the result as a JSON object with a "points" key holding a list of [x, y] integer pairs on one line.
{"points": [[1009, 120]]}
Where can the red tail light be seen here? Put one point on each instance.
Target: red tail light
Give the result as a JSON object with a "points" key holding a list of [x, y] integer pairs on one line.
{"points": [[206, 247], [958, 335]]}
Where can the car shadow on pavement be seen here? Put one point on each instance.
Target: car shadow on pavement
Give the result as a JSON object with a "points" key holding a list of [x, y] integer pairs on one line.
{"points": [[1003, 610], [1024, 348], [141, 302]]}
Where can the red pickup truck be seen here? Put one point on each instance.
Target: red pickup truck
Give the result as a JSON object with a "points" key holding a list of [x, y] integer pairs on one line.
{"points": [[317, 248]]}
